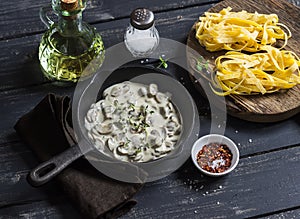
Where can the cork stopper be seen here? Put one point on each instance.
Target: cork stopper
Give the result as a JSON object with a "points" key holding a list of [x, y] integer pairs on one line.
{"points": [[69, 5]]}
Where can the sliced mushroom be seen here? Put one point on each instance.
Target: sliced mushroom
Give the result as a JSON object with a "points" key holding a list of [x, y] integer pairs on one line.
{"points": [[88, 125], [155, 139], [98, 105], [170, 134], [178, 130], [151, 141], [120, 137], [136, 141], [132, 100], [162, 150], [164, 111], [142, 91], [154, 108], [104, 128], [151, 101], [118, 155], [95, 115], [116, 91], [131, 151], [163, 133], [91, 115], [173, 138], [169, 144], [155, 153], [161, 98], [108, 111], [138, 157], [155, 133], [153, 89], [171, 126], [122, 150], [91, 136], [150, 120], [125, 88], [171, 107], [100, 117], [119, 125], [112, 144], [174, 118], [99, 144]]}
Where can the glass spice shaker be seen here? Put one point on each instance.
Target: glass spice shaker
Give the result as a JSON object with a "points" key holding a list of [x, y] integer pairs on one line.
{"points": [[141, 37], [69, 45]]}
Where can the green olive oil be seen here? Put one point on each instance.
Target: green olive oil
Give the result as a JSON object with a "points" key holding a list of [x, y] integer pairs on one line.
{"points": [[69, 46]]}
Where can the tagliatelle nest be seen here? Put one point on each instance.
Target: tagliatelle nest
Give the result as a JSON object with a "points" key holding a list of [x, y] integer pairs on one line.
{"points": [[239, 30], [265, 72]]}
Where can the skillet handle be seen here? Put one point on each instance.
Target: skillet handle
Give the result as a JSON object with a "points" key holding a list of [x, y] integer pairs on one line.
{"points": [[50, 168]]}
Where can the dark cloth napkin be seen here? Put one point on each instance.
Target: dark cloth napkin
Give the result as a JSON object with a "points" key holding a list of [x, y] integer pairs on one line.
{"points": [[47, 130]]}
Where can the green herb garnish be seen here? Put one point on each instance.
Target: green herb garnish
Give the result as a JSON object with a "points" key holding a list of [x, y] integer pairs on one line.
{"points": [[138, 122], [131, 106], [127, 142], [201, 63], [163, 63]]}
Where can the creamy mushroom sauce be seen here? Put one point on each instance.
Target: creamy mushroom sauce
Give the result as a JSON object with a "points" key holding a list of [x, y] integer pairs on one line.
{"points": [[136, 122]]}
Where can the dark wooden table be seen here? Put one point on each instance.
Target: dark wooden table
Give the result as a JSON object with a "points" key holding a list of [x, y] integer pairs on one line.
{"points": [[265, 184]]}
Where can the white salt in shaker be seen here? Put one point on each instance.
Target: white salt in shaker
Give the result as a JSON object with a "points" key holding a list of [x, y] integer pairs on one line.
{"points": [[141, 37]]}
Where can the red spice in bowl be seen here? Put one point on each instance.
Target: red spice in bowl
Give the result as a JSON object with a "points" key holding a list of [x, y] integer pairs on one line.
{"points": [[214, 157]]}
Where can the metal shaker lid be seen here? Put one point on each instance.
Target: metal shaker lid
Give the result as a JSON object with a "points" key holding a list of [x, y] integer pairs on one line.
{"points": [[142, 18]]}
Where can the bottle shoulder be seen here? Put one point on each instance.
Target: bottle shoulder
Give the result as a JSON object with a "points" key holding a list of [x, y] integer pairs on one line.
{"points": [[72, 44], [84, 29]]}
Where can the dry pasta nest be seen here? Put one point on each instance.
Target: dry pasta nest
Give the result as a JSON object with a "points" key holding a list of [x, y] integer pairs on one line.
{"points": [[264, 68]]}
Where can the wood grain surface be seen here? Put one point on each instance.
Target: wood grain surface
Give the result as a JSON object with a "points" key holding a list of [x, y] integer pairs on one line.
{"points": [[258, 108], [198, 197], [21, 18], [20, 64]]}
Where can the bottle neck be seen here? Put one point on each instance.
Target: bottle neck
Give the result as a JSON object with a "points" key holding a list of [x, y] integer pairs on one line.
{"points": [[70, 26]]}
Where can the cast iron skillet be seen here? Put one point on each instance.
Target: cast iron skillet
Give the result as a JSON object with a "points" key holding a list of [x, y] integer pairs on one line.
{"points": [[110, 166]]}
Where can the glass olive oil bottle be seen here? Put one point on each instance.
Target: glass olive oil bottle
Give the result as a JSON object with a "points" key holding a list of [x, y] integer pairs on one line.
{"points": [[69, 45]]}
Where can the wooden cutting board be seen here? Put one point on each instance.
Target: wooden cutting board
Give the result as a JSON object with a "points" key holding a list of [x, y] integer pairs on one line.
{"points": [[257, 108]]}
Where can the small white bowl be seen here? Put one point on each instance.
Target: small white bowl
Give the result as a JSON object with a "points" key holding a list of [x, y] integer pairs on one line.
{"points": [[215, 138]]}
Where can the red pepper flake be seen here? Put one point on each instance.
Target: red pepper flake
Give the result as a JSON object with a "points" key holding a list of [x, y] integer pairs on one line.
{"points": [[214, 157]]}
